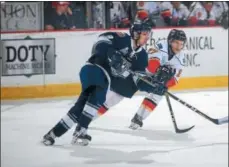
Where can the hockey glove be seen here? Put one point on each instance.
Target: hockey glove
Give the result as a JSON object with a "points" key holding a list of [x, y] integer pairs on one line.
{"points": [[119, 65], [163, 74], [154, 87], [144, 86], [160, 89]]}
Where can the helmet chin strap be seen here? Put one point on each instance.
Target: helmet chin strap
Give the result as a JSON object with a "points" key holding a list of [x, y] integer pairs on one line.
{"points": [[170, 51]]}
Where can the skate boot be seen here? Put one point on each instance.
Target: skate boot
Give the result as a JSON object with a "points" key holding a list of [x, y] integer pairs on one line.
{"points": [[80, 136], [136, 122], [49, 138]]}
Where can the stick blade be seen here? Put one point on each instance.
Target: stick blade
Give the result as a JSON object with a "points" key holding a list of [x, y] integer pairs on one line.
{"points": [[222, 120], [184, 130]]}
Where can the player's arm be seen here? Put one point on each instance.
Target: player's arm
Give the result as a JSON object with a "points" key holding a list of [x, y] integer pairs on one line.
{"points": [[154, 61], [174, 80], [162, 75], [100, 49], [153, 64], [178, 72]]}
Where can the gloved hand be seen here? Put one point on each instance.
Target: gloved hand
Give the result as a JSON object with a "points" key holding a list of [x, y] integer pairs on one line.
{"points": [[160, 89], [164, 74], [144, 86], [119, 65], [154, 87]]}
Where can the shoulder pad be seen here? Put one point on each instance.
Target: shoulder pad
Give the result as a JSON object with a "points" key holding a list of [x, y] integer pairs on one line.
{"points": [[121, 34], [109, 35]]}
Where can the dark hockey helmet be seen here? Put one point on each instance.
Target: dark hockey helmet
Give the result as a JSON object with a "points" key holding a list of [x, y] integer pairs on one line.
{"points": [[142, 23], [177, 35]]}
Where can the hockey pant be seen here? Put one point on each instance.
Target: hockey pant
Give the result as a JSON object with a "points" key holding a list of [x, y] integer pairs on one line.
{"points": [[93, 101]]}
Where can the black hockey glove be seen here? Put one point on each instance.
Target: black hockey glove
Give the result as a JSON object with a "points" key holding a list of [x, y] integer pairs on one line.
{"points": [[160, 89], [163, 74], [119, 65], [154, 87]]}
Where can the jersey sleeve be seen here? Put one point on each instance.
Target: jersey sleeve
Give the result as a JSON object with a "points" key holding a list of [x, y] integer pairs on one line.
{"points": [[154, 63], [100, 49], [179, 69]]}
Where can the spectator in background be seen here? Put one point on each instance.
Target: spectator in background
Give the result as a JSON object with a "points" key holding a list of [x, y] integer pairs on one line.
{"points": [[197, 14], [130, 8], [154, 10], [151, 7], [60, 17], [206, 13], [118, 15], [98, 14], [177, 15]]}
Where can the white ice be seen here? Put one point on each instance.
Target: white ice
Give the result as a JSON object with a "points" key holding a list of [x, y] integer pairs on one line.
{"points": [[23, 124]]}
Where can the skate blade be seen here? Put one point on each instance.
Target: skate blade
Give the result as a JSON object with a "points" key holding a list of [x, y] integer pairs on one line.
{"points": [[134, 126], [81, 142], [46, 142]]}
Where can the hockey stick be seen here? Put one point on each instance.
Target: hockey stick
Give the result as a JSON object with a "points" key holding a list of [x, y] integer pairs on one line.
{"points": [[177, 130], [213, 120]]}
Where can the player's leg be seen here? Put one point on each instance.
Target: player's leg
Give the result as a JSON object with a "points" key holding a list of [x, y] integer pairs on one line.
{"points": [[90, 77], [95, 101], [93, 111], [69, 119], [112, 98], [148, 105]]}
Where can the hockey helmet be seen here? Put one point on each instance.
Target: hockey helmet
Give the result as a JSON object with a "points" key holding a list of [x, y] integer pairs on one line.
{"points": [[177, 35], [142, 23]]}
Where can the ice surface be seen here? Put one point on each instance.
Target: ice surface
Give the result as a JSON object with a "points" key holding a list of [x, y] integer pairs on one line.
{"points": [[23, 124]]}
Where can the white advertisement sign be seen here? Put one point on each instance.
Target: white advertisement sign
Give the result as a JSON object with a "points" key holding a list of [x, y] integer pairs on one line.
{"points": [[206, 53]]}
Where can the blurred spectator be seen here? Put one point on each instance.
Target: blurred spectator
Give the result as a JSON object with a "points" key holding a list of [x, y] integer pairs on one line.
{"points": [[78, 9], [207, 13], [98, 11], [154, 9], [130, 8], [197, 14], [151, 7], [118, 15], [223, 16], [60, 17], [177, 15]]}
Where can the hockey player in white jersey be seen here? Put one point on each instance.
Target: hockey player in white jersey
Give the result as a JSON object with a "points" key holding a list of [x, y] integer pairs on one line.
{"points": [[168, 59]]}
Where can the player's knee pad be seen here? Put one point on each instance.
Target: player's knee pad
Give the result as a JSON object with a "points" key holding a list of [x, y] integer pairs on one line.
{"points": [[78, 107], [95, 101]]}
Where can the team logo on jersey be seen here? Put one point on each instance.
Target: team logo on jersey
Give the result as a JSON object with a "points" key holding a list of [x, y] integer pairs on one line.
{"points": [[159, 46], [124, 50], [152, 50]]}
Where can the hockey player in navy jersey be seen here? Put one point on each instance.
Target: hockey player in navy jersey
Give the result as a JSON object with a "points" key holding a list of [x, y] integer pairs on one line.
{"points": [[105, 79]]}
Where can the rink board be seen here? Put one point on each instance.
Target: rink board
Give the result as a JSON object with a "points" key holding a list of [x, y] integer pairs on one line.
{"points": [[206, 61], [57, 90]]}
